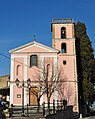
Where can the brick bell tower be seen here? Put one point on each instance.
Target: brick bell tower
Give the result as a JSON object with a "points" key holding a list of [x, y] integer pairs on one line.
{"points": [[63, 39]]}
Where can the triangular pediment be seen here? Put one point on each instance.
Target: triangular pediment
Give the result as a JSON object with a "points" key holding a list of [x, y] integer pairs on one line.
{"points": [[33, 47]]}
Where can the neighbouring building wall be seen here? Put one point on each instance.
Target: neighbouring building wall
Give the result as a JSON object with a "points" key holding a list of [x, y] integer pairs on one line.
{"points": [[4, 81], [4, 86]]}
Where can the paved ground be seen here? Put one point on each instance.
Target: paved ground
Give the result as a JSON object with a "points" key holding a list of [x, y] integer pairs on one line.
{"points": [[91, 117], [33, 117], [24, 118]]}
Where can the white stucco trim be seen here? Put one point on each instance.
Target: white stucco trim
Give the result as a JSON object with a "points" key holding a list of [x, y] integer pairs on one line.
{"points": [[19, 56], [12, 68], [19, 49], [25, 79], [55, 73], [76, 85], [11, 79], [11, 93], [41, 75], [49, 56], [25, 68], [49, 49]]}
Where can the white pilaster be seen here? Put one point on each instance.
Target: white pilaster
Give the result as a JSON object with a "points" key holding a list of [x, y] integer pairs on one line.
{"points": [[56, 76], [11, 93], [11, 79], [12, 68], [25, 79], [41, 74]]}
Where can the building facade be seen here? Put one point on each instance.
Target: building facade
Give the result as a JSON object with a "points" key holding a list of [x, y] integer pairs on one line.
{"points": [[4, 87], [34, 60]]}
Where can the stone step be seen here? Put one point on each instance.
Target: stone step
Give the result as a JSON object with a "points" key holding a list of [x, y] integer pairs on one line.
{"points": [[31, 117], [20, 114], [26, 118]]}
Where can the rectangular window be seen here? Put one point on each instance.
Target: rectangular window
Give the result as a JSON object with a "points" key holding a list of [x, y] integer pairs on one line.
{"points": [[33, 60]]}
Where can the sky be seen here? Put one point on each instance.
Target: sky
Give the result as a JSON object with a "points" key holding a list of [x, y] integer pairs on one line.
{"points": [[20, 20]]}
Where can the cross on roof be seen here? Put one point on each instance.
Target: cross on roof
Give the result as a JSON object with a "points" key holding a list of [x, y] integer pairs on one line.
{"points": [[34, 39]]}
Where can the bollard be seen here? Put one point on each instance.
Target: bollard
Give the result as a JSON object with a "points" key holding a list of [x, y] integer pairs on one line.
{"points": [[53, 106], [61, 104], [49, 107], [80, 116], [43, 108], [64, 103], [57, 105], [27, 111], [11, 110]]}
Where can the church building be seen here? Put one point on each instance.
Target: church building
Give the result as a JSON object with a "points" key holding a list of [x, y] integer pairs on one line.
{"points": [[33, 64]]}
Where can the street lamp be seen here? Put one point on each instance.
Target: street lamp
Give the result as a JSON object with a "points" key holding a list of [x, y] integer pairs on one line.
{"points": [[28, 83], [23, 86]]}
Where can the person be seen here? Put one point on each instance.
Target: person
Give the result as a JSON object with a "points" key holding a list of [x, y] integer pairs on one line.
{"points": [[2, 104]]}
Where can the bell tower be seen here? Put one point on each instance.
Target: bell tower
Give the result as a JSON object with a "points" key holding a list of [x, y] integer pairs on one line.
{"points": [[63, 39], [62, 32]]}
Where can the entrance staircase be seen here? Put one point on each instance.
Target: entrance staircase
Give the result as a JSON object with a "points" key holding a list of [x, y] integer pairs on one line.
{"points": [[30, 112]]}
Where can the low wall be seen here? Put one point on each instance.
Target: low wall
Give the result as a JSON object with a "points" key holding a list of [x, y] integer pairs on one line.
{"points": [[63, 114]]}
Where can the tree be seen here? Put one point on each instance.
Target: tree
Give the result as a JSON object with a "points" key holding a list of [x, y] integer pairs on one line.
{"points": [[85, 62], [48, 80], [88, 90], [84, 52], [65, 91], [51, 80]]}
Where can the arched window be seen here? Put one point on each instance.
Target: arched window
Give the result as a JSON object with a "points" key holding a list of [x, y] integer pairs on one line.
{"points": [[63, 32], [19, 70], [63, 47], [33, 60]]}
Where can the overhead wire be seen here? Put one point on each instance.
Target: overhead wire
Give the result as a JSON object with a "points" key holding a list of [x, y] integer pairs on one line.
{"points": [[16, 61], [12, 59]]}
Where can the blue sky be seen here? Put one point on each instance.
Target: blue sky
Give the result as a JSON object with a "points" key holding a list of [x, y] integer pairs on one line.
{"points": [[21, 19]]}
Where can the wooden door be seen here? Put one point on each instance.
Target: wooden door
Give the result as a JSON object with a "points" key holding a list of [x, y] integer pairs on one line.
{"points": [[33, 95]]}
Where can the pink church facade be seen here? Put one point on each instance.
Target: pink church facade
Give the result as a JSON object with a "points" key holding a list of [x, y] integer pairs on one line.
{"points": [[26, 60]]}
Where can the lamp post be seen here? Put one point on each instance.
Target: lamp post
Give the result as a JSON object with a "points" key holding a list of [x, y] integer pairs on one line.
{"points": [[23, 86]]}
